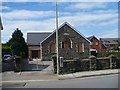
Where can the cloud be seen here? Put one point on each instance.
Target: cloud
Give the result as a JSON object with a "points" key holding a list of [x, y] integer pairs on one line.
{"points": [[27, 26], [105, 11], [90, 19], [109, 34], [109, 22], [78, 20], [60, 0], [87, 6], [26, 14], [37, 21], [4, 7]]}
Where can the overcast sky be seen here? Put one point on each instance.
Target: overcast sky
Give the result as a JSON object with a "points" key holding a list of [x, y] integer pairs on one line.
{"points": [[98, 18]]}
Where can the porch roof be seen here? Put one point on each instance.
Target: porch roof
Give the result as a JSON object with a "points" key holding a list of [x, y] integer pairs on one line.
{"points": [[36, 38]]}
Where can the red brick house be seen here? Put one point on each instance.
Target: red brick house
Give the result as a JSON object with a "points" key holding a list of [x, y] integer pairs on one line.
{"points": [[96, 44], [109, 43], [102, 44]]}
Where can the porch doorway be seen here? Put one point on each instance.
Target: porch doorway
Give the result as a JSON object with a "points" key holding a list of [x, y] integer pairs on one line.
{"points": [[35, 53]]}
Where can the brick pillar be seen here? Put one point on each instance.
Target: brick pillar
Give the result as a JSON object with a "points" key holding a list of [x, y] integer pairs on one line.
{"points": [[92, 63]]}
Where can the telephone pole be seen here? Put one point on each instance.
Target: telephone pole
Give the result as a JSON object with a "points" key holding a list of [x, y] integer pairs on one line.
{"points": [[57, 37]]}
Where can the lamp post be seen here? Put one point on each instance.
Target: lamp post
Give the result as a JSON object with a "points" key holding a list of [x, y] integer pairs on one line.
{"points": [[1, 28], [57, 37]]}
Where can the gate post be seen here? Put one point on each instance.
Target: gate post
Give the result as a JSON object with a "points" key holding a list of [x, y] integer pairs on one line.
{"points": [[92, 63]]}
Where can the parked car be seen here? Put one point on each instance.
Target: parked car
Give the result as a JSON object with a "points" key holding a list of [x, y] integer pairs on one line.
{"points": [[8, 58]]}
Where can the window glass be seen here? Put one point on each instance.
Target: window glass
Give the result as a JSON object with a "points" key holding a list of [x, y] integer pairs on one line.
{"points": [[81, 47], [66, 43], [96, 43], [52, 48], [77, 48]]}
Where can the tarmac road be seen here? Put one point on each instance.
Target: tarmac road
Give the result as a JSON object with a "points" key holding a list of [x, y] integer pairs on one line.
{"points": [[106, 81]]}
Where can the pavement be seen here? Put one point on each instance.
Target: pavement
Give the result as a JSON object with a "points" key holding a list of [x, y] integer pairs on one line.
{"points": [[28, 76], [37, 76], [88, 74]]}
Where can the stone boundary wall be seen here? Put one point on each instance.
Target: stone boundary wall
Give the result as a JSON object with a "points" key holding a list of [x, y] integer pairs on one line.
{"points": [[90, 64]]}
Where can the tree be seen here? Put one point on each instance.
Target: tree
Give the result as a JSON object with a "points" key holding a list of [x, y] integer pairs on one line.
{"points": [[116, 47], [6, 49], [18, 45]]}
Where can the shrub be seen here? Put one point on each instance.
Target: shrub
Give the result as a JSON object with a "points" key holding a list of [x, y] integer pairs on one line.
{"points": [[107, 54]]}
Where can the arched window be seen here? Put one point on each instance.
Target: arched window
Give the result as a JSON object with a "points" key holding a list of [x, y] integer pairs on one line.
{"points": [[52, 48], [66, 43], [80, 47]]}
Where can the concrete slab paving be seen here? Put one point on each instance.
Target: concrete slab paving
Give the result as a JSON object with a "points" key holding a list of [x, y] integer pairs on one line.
{"points": [[87, 74]]}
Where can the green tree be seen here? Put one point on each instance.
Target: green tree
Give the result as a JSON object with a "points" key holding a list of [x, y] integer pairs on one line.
{"points": [[18, 45], [6, 48], [116, 47]]}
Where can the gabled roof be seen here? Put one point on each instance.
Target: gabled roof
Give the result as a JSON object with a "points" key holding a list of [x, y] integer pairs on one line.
{"points": [[36, 38], [91, 37], [1, 26], [71, 27]]}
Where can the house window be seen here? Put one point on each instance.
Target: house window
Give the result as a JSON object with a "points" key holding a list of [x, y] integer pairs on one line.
{"points": [[81, 47], [52, 48], [96, 43], [60, 44], [77, 48], [66, 43], [48, 48]]}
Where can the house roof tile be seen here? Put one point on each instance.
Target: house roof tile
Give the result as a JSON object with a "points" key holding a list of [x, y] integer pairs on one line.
{"points": [[36, 38], [110, 40]]}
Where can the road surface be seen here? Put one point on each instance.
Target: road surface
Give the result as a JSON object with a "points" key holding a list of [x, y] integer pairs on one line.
{"points": [[106, 81]]}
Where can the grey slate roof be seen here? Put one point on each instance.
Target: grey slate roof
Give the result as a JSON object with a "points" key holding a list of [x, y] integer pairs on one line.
{"points": [[109, 41], [36, 38]]}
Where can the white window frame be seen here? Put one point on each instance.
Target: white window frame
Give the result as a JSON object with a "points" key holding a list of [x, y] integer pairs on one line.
{"points": [[71, 43], [83, 47], [96, 43]]}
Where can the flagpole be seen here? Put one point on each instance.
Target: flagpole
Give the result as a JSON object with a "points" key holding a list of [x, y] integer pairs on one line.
{"points": [[57, 37]]}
